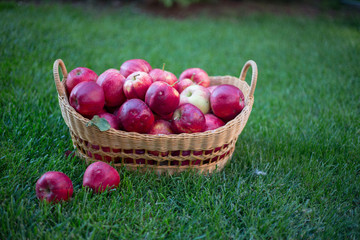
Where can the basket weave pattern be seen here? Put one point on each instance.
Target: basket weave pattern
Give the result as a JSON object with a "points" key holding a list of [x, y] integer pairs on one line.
{"points": [[205, 151]]}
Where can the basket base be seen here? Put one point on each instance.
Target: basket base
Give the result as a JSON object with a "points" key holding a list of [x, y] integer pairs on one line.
{"points": [[203, 169]]}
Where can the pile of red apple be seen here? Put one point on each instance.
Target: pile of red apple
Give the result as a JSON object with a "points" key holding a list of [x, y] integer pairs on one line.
{"points": [[140, 99]]}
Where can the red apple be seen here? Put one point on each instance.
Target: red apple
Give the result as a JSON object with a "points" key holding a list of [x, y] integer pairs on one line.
{"points": [[99, 176], [167, 117], [112, 120], [87, 98], [197, 75], [54, 187], [78, 75], [112, 83], [135, 116], [198, 96], [162, 98], [212, 88], [212, 122], [164, 76], [134, 65], [136, 85], [188, 118], [183, 84], [227, 101], [161, 127]]}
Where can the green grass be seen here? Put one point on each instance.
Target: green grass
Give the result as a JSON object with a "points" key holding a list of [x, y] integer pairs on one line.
{"points": [[303, 131]]}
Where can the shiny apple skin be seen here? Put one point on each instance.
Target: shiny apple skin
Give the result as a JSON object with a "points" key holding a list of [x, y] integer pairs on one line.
{"points": [[162, 75], [100, 176], [183, 84], [227, 101], [188, 118], [54, 187], [162, 98], [87, 98], [212, 122], [198, 76], [198, 96], [134, 65], [112, 83], [136, 85], [136, 116], [78, 75]]}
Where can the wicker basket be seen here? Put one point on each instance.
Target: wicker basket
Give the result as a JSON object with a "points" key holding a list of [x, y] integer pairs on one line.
{"points": [[206, 152]]}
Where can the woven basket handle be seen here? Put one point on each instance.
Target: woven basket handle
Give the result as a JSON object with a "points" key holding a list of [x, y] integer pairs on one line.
{"points": [[253, 65], [60, 87]]}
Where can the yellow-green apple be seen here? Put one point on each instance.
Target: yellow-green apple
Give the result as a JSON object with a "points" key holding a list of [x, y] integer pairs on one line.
{"points": [[134, 65], [78, 75], [136, 85], [227, 101], [54, 187], [112, 83], [198, 96], [87, 98], [212, 122], [162, 98], [100, 176], [197, 75], [188, 118], [135, 116]]}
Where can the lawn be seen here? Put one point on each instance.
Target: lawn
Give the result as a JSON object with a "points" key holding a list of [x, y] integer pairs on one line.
{"points": [[295, 172]]}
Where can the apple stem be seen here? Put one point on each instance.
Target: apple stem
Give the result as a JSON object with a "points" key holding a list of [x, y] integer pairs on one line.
{"points": [[192, 77], [200, 82], [134, 77], [172, 85], [163, 68]]}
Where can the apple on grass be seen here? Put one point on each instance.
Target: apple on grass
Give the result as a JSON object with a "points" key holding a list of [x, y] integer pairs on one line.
{"points": [[227, 101], [78, 75], [136, 85], [87, 98], [188, 118], [158, 74], [135, 116], [198, 96], [100, 176], [54, 187], [134, 65], [162, 98], [197, 75], [112, 83]]}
